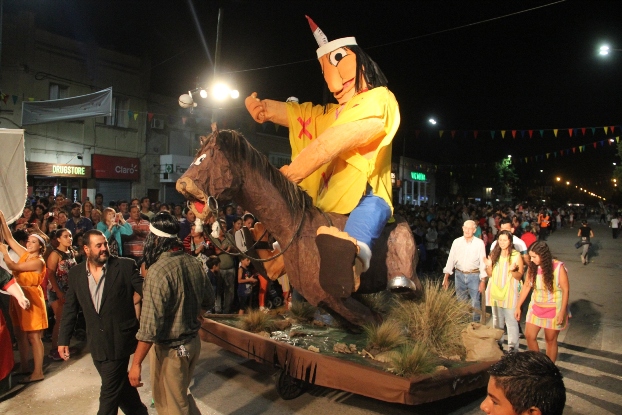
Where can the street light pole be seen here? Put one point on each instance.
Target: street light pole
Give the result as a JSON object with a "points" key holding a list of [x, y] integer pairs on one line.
{"points": [[217, 56]]}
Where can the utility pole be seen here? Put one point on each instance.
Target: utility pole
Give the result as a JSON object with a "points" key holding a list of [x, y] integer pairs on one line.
{"points": [[217, 56]]}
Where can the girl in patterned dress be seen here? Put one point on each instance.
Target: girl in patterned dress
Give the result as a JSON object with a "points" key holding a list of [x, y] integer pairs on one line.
{"points": [[548, 308], [60, 261]]}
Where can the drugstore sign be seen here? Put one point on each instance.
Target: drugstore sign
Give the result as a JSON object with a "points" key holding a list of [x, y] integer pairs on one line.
{"points": [[57, 170], [110, 167]]}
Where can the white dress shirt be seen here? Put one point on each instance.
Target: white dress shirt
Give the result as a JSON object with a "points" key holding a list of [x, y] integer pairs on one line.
{"points": [[467, 256]]}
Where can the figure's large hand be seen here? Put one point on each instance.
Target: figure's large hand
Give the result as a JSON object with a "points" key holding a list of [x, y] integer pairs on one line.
{"points": [[255, 107]]}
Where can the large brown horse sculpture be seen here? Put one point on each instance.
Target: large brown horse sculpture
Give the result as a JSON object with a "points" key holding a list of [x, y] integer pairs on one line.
{"points": [[228, 168]]}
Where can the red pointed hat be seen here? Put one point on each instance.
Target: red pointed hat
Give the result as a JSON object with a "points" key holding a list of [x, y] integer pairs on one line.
{"points": [[324, 45]]}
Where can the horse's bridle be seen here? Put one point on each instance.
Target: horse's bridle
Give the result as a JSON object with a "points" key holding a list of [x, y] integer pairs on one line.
{"points": [[212, 205]]}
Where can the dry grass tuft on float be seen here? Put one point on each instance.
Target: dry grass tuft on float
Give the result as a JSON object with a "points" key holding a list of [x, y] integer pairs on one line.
{"points": [[256, 321], [385, 336], [435, 321], [412, 359]]}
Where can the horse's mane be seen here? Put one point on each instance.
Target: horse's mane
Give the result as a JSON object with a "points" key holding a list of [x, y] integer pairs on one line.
{"points": [[239, 151]]}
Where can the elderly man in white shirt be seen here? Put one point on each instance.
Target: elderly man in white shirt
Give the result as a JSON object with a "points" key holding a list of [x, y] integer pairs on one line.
{"points": [[466, 257]]}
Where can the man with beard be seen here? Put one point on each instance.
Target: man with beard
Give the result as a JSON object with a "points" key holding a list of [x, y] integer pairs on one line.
{"points": [[104, 287]]}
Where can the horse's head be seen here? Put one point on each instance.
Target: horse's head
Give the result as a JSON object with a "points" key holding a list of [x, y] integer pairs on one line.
{"points": [[210, 174]]}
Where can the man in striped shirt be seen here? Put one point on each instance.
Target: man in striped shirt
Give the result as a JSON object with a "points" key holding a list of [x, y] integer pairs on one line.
{"points": [[133, 245]]}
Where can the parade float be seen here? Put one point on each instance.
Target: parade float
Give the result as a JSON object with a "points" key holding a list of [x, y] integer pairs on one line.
{"points": [[318, 209]]}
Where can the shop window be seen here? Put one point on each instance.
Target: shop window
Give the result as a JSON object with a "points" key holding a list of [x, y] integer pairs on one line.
{"points": [[119, 117], [59, 91]]}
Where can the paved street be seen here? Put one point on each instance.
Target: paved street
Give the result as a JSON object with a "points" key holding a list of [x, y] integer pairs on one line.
{"points": [[590, 359]]}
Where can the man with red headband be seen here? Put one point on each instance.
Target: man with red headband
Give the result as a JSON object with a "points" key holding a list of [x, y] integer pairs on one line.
{"points": [[341, 153]]}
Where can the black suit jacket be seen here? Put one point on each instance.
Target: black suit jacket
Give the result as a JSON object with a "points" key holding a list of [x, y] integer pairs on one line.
{"points": [[111, 333]]}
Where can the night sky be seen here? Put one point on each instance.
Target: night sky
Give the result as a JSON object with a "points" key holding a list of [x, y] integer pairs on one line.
{"points": [[535, 70]]}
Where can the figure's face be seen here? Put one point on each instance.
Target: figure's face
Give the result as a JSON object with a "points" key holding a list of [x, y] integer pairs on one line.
{"points": [[496, 403], [339, 69], [99, 200]]}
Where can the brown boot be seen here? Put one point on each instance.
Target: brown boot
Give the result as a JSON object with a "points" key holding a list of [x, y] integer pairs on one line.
{"points": [[337, 252]]}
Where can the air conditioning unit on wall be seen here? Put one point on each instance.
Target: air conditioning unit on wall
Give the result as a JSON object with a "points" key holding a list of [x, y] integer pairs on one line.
{"points": [[157, 124]]}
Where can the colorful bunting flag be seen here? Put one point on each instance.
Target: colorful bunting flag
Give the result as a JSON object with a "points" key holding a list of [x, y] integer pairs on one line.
{"points": [[513, 133], [149, 116], [14, 99], [135, 116], [555, 132], [530, 133], [502, 133]]}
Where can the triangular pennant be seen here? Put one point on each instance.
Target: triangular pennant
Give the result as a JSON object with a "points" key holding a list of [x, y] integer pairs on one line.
{"points": [[593, 130], [555, 132], [583, 131], [542, 133], [611, 128], [547, 155], [525, 159], [522, 133], [149, 116], [502, 133], [130, 114], [606, 129], [453, 133], [31, 99], [492, 134], [617, 139], [475, 134], [555, 154], [14, 99], [184, 119], [440, 133], [570, 132], [513, 133], [135, 116], [530, 133], [580, 149], [574, 150], [5, 98]]}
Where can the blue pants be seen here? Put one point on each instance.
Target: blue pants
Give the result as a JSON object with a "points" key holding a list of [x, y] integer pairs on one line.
{"points": [[468, 283], [368, 218]]}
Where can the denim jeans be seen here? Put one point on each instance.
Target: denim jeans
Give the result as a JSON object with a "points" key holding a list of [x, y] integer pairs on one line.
{"points": [[505, 317], [468, 282]]}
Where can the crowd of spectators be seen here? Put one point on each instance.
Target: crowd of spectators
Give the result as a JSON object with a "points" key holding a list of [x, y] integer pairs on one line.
{"points": [[126, 226], [435, 227]]}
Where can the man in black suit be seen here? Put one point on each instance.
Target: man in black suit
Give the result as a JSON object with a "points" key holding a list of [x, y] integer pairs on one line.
{"points": [[104, 287]]}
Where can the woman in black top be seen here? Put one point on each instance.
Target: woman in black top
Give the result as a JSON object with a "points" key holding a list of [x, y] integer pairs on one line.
{"points": [[585, 233]]}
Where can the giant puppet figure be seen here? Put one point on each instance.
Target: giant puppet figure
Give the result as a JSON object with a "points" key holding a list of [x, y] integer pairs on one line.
{"points": [[341, 153]]}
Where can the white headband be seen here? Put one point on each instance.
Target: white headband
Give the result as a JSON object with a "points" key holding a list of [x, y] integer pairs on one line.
{"points": [[39, 238], [335, 44], [160, 233]]}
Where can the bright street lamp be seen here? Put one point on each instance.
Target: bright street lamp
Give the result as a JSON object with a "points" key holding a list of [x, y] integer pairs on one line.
{"points": [[432, 121], [605, 49]]}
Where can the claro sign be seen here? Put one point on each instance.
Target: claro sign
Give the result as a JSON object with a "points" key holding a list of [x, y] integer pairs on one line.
{"points": [[110, 167]]}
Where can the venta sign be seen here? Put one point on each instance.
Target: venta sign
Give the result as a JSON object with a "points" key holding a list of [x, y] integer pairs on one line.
{"points": [[110, 167]]}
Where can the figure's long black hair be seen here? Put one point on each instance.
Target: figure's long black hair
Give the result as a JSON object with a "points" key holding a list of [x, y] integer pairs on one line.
{"points": [[367, 69], [156, 245]]}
